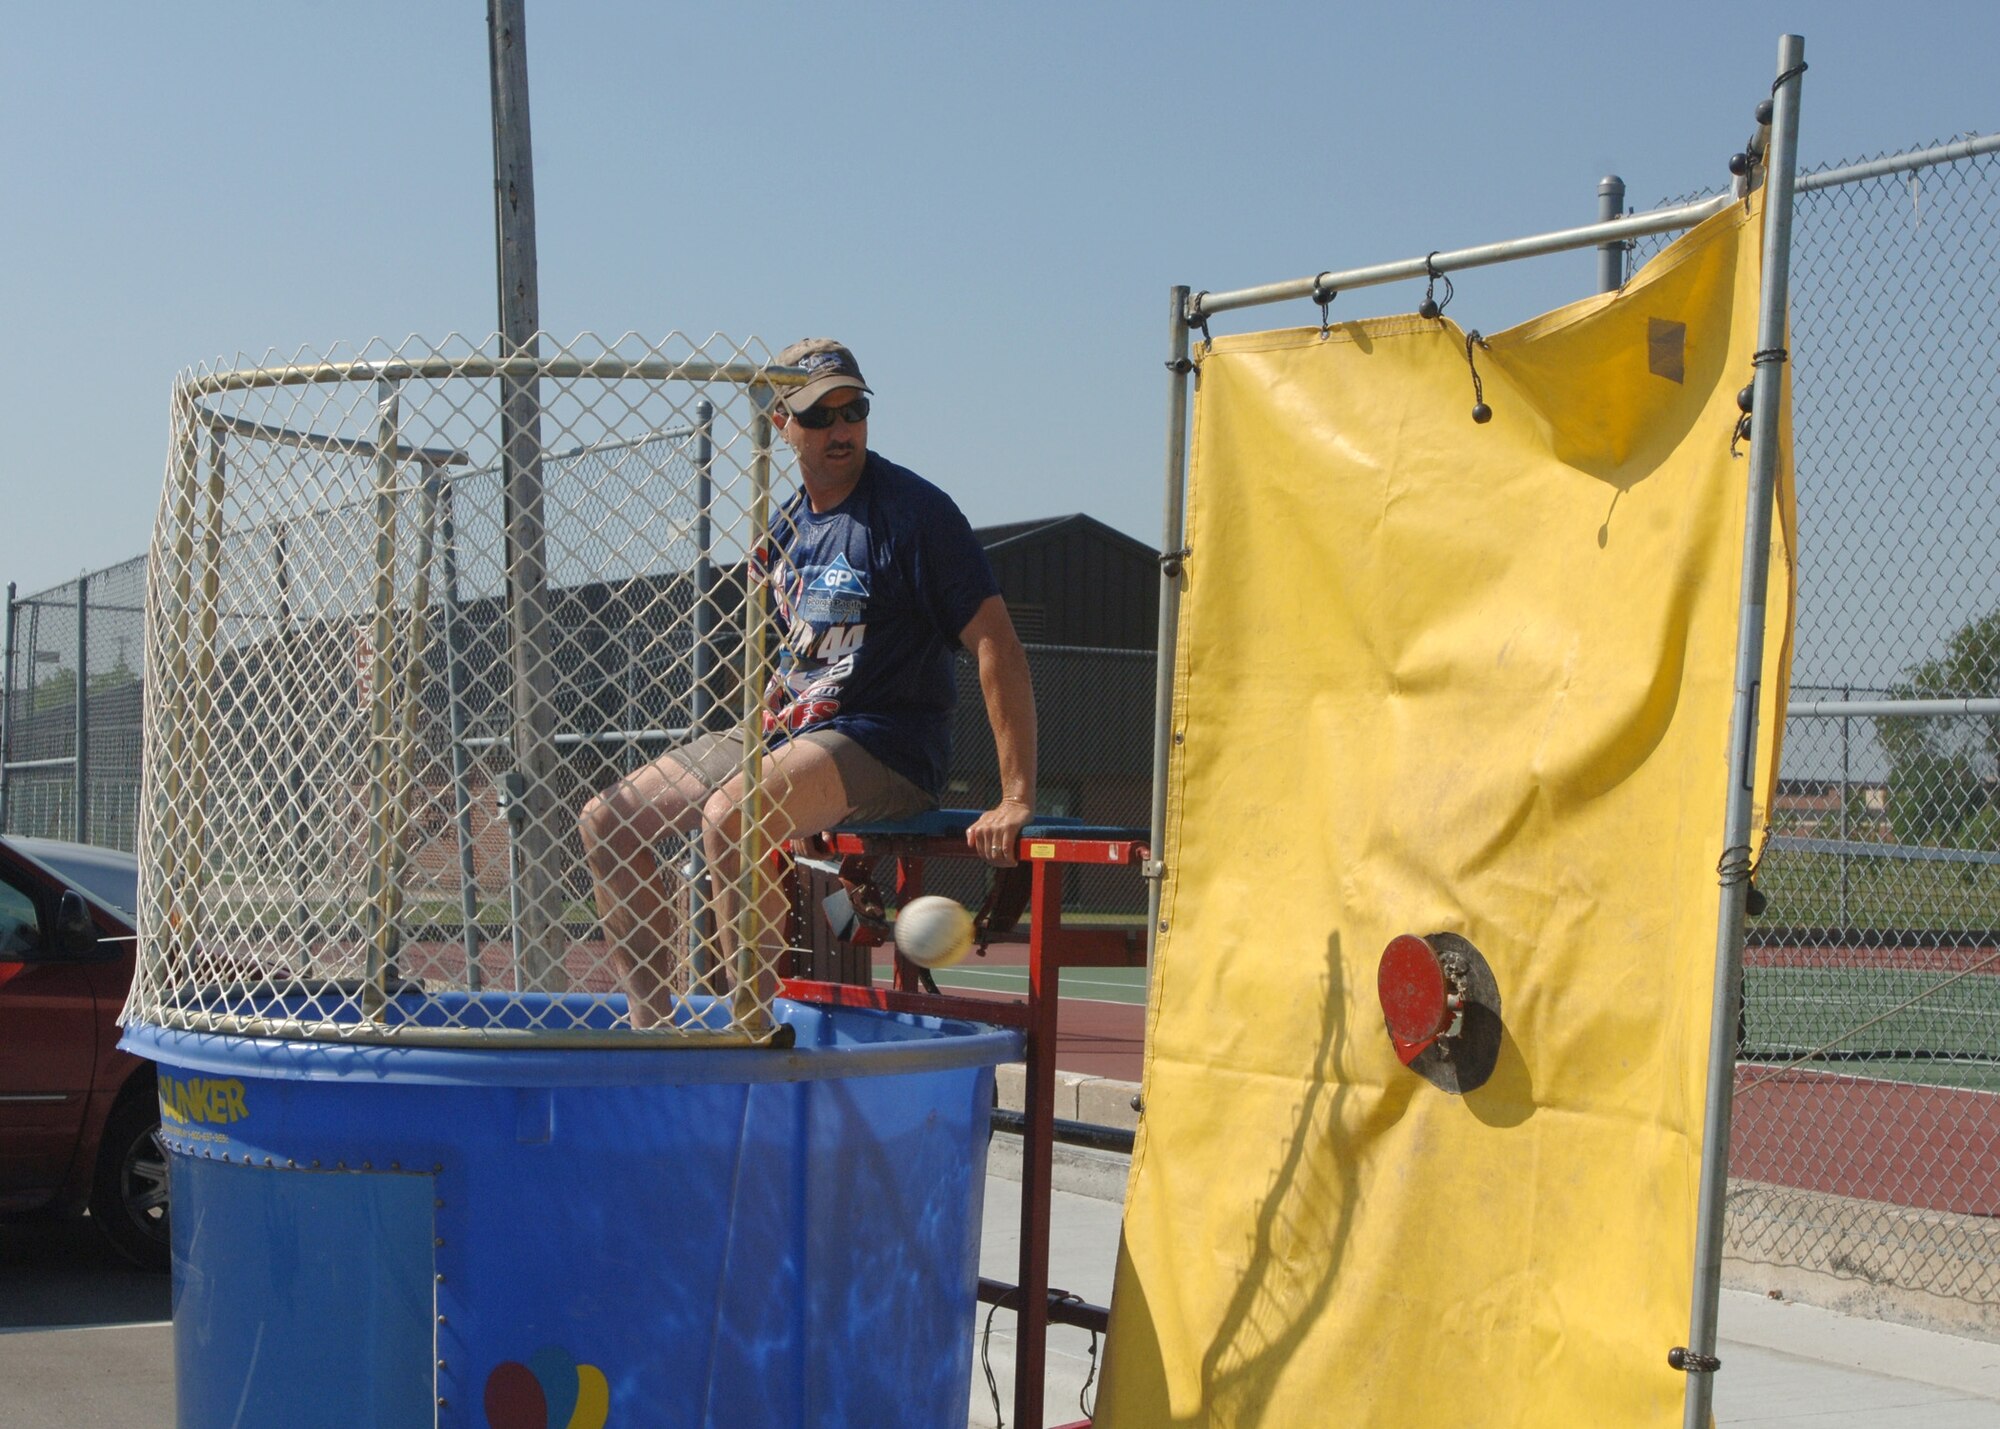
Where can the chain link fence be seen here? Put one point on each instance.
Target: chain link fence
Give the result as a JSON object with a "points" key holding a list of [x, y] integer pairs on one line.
{"points": [[69, 731], [1867, 1140]]}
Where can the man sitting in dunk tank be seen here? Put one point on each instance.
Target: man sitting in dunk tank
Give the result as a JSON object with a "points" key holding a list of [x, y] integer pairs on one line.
{"points": [[875, 581]]}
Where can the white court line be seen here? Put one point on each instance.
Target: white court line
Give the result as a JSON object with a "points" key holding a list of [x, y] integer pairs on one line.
{"points": [[115, 1325]]}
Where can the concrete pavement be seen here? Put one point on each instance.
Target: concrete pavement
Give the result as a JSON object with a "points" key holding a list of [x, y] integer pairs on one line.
{"points": [[1785, 1365]]}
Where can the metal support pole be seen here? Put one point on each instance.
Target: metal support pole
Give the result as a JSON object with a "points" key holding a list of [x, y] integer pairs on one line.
{"points": [[1171, 527], [1038, 1147], [538, 892], [1611, 255], [80, 771], [7, 707], [1768, 382]]}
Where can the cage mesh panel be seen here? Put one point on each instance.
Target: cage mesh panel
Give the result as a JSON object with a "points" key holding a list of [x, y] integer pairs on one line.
{"points": [[1867, 1140], [341, 595]]}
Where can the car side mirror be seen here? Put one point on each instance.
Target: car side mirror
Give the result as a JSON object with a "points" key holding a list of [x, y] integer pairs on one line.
{"points": [[76, 930]]}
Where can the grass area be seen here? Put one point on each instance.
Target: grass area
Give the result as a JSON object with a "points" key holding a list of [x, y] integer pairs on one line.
{"points": [[1823, 890], [1122, 985]]}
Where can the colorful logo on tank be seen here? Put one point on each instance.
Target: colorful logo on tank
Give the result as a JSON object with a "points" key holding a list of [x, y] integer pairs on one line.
{"points": [[550, 1391]]}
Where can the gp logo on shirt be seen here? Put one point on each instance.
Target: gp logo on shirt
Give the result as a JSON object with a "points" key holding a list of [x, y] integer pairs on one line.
{"points": [[839, 579]]}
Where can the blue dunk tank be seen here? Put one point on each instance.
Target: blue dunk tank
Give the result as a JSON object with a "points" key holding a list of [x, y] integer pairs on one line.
{"points": [[467, 1126]]}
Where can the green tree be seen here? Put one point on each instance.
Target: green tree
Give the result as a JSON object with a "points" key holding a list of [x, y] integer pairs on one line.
{"points": [[1942, 771], [54, 690]]}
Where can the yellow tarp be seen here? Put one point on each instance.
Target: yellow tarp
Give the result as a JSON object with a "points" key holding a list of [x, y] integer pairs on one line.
{"points": [[1439, 676]]}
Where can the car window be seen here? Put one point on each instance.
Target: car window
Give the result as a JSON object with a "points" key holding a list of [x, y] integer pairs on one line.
{"points": [[111, 879], [20, 924]]}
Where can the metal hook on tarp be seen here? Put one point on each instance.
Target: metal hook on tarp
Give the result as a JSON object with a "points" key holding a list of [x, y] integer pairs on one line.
{"points": [[1324, 296], [1746, 397], [1430, 307]]}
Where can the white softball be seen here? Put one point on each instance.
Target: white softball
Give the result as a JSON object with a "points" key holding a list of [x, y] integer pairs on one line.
{"points": [[933, 931]]}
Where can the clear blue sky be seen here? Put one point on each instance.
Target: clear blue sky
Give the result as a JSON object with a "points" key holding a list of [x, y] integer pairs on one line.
{"points": [[989, 202]]}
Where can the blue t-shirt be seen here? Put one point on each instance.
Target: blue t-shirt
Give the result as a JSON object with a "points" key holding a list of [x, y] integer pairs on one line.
{"points": [[869, 601]]}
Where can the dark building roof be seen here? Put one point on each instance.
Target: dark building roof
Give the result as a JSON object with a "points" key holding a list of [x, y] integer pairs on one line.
{"points": [[1072, 580]]}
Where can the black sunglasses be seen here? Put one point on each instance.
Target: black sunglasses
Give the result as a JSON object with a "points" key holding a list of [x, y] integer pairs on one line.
{"points": [[819, 417]]}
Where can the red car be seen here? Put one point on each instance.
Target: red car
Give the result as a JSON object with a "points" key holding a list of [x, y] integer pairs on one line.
{"points": [[79, 1119]]}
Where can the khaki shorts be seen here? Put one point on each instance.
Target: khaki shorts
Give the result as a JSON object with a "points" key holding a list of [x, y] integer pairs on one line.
{"points": [[873, 790]]}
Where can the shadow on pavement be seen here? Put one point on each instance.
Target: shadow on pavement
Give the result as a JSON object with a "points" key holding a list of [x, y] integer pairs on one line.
{"points": [[56, 1273]]}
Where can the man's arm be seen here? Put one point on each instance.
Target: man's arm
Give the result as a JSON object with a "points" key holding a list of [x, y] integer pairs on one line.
{"points": [[1010, 708]]}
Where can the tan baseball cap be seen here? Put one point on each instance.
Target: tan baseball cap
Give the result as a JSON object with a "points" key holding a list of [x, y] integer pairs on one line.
{"points": [[828, 365]]}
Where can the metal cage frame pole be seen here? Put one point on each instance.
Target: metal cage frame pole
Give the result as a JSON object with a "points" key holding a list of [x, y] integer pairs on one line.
{"points": [[171, 900], [749, 1006], [297, 836], [1767, 392], [454, 698], [701, 915], [382, 941], [1171, 528], [194, 826]]}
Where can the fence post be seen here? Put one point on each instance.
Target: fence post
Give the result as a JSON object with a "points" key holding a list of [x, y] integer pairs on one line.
{"points": [[80, 770], [7, 709], [1611, 256], [1780, 164], [1846, 726]]}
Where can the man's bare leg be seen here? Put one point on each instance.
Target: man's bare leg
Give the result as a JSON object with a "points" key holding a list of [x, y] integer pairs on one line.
{"points": [[620, 827], [800, 793]]}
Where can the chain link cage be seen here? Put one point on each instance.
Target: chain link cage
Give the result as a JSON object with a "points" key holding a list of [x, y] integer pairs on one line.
{"points": [[75, 667], [1867, 1117], [413, 613]]}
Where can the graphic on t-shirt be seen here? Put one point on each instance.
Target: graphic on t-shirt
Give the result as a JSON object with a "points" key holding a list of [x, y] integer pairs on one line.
{"points": [[836, 593], [823, 608]]}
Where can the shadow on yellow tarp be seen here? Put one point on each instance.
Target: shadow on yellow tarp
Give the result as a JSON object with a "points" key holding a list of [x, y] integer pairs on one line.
{"points": [[1442, 676]]}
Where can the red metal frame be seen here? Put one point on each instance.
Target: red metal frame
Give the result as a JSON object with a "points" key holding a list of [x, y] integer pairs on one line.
{"points": [[1051, 948]]}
